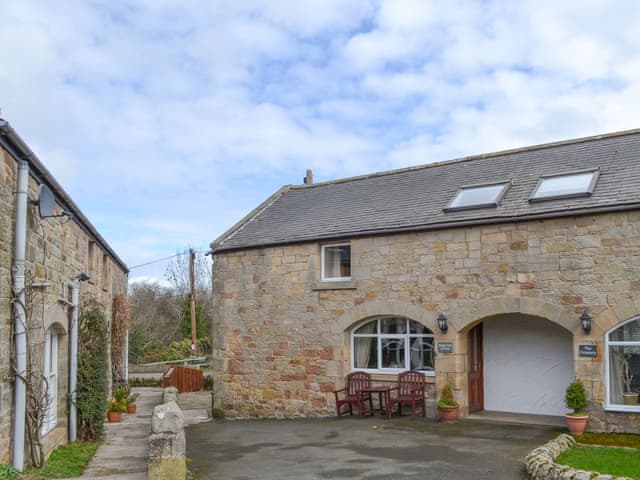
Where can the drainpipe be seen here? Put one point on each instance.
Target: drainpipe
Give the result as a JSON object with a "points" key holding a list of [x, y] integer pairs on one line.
{"points": [[73, 353], [126, 358], [20, 243]]}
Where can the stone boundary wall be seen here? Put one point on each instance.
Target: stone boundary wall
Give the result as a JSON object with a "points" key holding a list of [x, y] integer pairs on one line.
{"points": [[167, 442], [540, 463]]}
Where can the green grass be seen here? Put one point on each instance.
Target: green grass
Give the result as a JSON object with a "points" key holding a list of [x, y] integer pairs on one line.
{"points": [[609, 460], [65, 461]]}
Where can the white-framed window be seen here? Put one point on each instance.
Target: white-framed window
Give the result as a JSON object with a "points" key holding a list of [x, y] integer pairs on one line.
{"points": [[622, 367], [391, 345], [50, 374], [336, 262], [478, 196], [565, 185]]}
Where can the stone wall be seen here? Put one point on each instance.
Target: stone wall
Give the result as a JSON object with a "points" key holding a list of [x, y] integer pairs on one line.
{"points": [[281, 338], [57, 250]]}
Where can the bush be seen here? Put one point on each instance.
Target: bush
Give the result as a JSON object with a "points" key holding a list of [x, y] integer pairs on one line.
{"points": [[446, 397], [175, 350], [576, 397]]}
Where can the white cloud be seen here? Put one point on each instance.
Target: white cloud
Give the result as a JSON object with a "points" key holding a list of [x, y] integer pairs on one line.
{"points": [[166, 121]]}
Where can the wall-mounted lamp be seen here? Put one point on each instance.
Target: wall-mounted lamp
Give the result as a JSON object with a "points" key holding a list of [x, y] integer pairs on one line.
{"points": [[442, 323], [585, 319]]}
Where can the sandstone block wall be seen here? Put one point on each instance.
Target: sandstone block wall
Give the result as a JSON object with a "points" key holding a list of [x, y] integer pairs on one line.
{"points": [[57, 250], [281, 340]]}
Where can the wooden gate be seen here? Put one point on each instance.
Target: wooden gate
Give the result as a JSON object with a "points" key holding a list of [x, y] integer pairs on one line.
{"points": [[185, 379]]}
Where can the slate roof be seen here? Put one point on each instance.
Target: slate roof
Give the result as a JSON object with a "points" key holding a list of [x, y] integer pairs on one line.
{"points": [[414, 199]]}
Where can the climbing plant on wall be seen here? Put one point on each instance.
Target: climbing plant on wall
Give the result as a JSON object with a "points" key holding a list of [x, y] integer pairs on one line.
{"points": [[120, 323], [92, 387]]}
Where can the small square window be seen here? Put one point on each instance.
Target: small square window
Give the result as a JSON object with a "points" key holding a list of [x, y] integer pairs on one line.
{"points": [[336, 262], [578, 184], [478, 196]]}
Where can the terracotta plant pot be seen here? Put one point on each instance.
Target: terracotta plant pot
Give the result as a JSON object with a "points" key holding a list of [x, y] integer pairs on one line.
{"points": [[630, 398], [576, 424], [131, 408], [114, 417], [448, 414]]}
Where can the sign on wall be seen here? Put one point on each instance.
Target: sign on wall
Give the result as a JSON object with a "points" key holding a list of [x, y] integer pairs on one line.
{"points": [[445, 347], [590, 351]]}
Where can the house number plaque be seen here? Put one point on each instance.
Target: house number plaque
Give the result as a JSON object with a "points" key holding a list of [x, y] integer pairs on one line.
{"points": [[588, 350], [445, 347]]}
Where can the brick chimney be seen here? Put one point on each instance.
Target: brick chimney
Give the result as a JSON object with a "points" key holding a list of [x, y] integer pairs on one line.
{"points": [[308, 180]]}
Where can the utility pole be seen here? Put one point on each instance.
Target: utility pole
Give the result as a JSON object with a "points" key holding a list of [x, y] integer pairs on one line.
{"points": [[192, 282]]}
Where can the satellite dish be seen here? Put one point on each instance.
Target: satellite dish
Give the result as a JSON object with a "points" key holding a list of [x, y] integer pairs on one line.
{"points": [[46, 202]]}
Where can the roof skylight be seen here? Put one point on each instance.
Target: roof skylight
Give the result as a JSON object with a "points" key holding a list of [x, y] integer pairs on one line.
{"points": [[578, 184], [478, 196]]}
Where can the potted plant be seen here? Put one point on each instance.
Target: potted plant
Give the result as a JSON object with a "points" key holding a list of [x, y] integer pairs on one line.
{"points": [[447, 406], [131, 402], [117, 405], [576, 399], [629, 396]]}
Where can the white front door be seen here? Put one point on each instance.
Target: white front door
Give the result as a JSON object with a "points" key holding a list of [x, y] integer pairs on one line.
{"points": [[50, 374]]}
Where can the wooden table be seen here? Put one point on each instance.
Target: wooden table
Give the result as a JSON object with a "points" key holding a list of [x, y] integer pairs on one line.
{"points": [[384, 398]]}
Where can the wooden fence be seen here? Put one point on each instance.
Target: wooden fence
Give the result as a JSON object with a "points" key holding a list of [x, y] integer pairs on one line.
{"points": [[185, 379]]}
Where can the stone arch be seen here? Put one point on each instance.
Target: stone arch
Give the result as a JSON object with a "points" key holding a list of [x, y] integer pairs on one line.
{"points": [[620, 311], [389, 307], [56, 317], [469, 317]]}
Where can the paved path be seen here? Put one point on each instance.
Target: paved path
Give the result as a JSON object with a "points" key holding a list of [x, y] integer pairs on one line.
{"points": [[355, 448], [125, 452]]}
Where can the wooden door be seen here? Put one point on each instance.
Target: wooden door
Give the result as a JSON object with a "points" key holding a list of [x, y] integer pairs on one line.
{"points": [[476, 379]]}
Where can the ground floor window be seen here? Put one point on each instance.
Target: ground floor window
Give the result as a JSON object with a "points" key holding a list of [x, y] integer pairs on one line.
{"points": [[623, 366], [392, 344]]}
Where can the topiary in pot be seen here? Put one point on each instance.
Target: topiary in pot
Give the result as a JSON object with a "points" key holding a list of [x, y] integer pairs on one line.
{"points": [[447, 406], [576, 399]]}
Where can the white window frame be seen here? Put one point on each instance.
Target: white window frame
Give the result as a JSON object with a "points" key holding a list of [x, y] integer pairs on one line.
{"points": [[615, 407], [380, 336], [587, 193], [50, 372], [323, 248], [498, 198]]}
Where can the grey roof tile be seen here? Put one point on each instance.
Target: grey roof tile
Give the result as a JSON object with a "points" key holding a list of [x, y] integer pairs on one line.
{"points": [[414, 198]]}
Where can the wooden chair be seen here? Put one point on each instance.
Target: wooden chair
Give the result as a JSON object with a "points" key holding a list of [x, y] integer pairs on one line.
{"points": [[410, 390], [350, 395]]}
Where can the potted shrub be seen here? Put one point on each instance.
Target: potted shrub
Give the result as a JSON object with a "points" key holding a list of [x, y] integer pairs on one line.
{"points": [[117, 405], [576, 399], [629, 396], [131, 402], [115, 409], [447, 406]]}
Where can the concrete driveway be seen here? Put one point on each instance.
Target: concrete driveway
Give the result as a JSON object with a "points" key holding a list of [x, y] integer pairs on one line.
{"points": [[371, 448]]}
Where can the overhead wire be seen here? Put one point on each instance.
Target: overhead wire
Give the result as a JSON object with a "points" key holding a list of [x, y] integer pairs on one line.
{"points": [[165, 259]]}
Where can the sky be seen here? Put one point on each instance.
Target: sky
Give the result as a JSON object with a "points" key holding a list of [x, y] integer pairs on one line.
{"points": [[167, 121]]}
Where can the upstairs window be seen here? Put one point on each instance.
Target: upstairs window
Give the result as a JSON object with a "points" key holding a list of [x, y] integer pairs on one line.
{"points": [[336, 262], [569, 185], [478, 196]]}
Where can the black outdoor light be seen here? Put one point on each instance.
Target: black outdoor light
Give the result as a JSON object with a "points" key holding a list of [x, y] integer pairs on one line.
{"points": [[585, 319], [442, 323]]}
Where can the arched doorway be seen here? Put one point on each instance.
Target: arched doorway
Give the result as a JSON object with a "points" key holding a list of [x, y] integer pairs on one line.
{"points": [[520, 363]]}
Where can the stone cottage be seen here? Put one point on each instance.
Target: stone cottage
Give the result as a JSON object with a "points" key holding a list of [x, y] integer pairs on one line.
{"points": [[505, 275], [51, 259]]}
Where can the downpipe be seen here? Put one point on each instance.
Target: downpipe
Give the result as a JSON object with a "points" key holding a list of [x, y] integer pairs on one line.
{"points": [[20, 336]]}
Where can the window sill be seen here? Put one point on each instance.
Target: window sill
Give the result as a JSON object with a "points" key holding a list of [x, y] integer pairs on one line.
{"points": [[337, 285], [622, 409]]}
